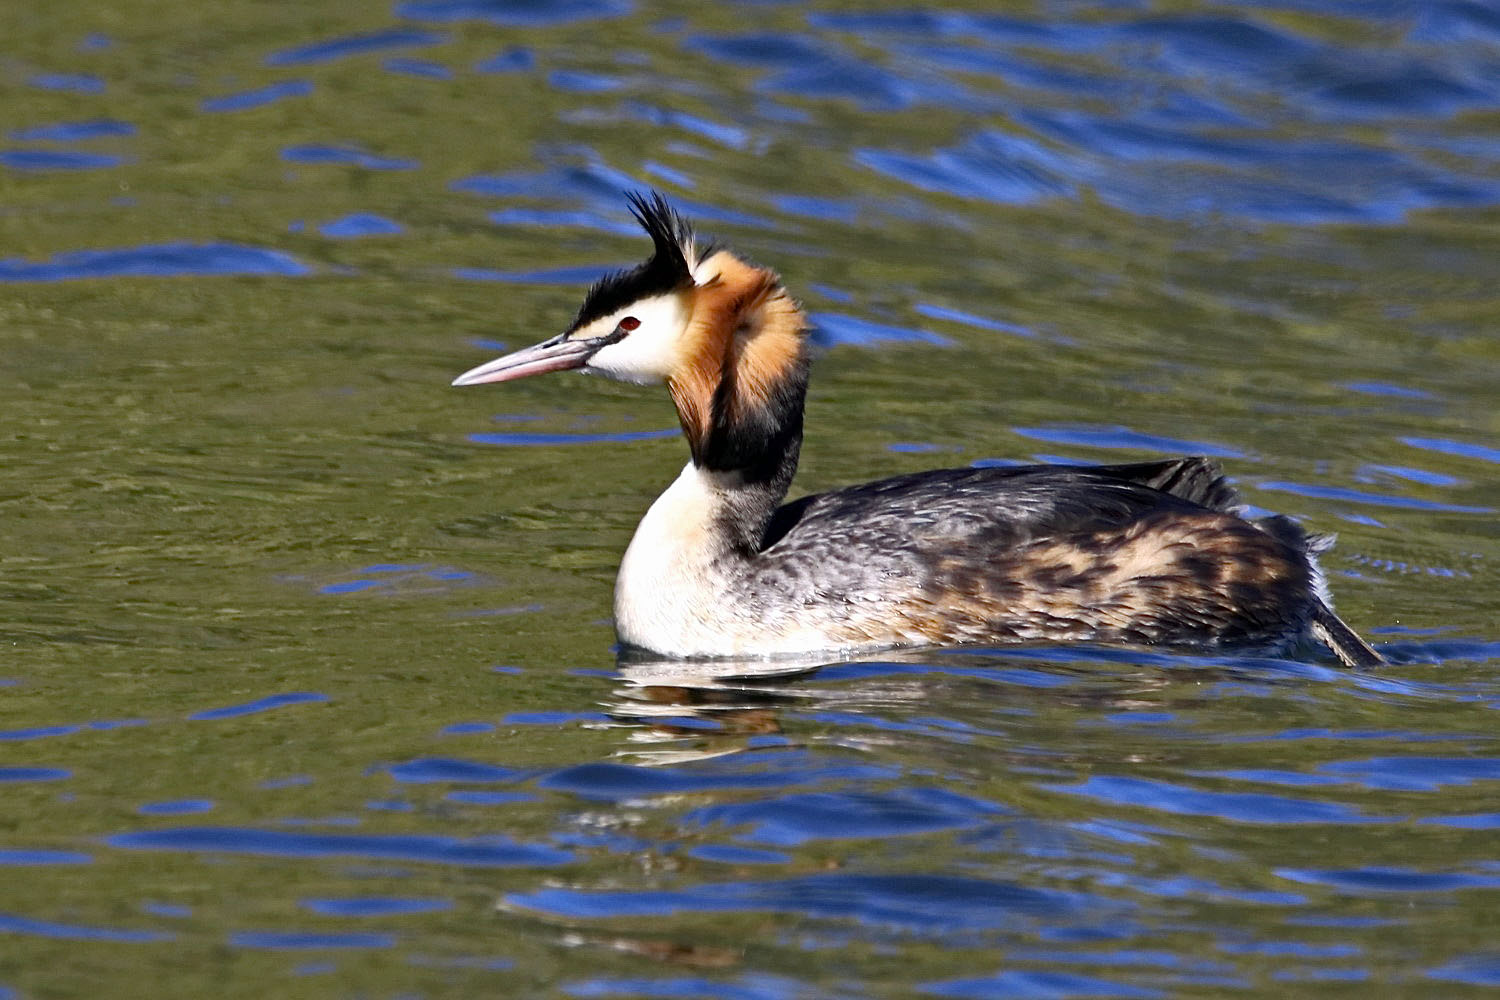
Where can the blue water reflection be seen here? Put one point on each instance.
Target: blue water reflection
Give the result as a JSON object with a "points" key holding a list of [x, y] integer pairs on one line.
{"points": [[612, 782], [94, 128], [23, 773], [47, 159], [1193, 106], [81, 83], [160, 261], [513, 60], [1049, 985], [484, 853], [419, 68], [264, 720], [1124, 437], [374, 906], [353, 45], [789, 820], [27, 858], [1243, 807], [930, 904], [265, 704], [245, 100], [304, 940], [361, 224], [13, 924], [514, 13], [353, 156]]}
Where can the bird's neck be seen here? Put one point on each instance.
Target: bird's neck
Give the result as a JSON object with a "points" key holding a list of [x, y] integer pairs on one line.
{"points": [[740, 393]]}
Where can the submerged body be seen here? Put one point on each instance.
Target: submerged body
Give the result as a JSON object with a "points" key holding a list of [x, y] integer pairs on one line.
{"points": [[1151, 553]]}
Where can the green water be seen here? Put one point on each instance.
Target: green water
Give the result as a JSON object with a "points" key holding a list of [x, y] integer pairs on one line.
{"points": [[201, 473]]}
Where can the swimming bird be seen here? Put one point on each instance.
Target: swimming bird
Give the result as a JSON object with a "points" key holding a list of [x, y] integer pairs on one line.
{"points": [[1152, 553]]}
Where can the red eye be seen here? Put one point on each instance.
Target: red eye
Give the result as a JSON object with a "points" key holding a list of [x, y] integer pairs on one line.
{"points": [[629, 323]]}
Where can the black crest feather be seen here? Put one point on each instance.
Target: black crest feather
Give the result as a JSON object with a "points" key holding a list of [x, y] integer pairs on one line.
{"points": [[667, 270]]}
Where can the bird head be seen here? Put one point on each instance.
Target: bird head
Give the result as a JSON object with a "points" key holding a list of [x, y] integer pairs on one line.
{"points": [[633, 324]]}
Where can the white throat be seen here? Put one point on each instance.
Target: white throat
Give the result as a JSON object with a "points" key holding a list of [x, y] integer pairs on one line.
{"points": [[672, 573]]}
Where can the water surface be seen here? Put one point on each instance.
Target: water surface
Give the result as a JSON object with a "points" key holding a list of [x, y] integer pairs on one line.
{"points": [[310, 688]]}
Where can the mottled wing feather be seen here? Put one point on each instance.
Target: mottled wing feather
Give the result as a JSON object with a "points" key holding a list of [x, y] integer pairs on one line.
{"points": [[1133, 553], [1006, 505]]}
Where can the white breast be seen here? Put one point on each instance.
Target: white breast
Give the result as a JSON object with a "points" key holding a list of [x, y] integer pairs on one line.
{"points": [[677, 591], [663, 596]]}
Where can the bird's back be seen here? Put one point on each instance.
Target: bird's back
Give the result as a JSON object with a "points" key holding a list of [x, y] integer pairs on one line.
{"points": [[1004, 506], [1142, 553]]}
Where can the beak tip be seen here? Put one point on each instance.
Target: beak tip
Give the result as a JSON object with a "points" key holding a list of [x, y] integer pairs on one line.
{"points": [[549, 356]]}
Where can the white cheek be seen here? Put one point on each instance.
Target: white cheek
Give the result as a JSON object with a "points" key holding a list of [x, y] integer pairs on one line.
{"points": [[639, 358], [647, 355]]}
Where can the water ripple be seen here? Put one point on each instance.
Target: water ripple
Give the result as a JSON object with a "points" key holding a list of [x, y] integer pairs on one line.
{"points": [[1240, 807], [573, 81], [11, 923], [93, 128], [992, 166], [309, 940], [353, 45], [177, 807], [20, 858], [1040, 985], [613, 782], [587, 178], [1414, 774], [265, 704], [933, 904], [423, 68], [834, 329], [8, 774], [969, 319], [351, 155], [37, 732], [760, 50], [1373, 499], [80, 83], [1215, 144], [375, 906], [557, 218], [448, 769], [482, 852], [361, 224], [1390, 879], [514, 13], [1474, 970], [1124, 437], [1300, 188], [789, 820], [52, 159], [164, 260], [750, 986], [1461, 449], [247, 99], [551, 276]]}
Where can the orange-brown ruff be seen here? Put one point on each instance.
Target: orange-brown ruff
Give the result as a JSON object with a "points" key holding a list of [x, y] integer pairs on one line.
{"points": [[1148, 553], [745, 338]]}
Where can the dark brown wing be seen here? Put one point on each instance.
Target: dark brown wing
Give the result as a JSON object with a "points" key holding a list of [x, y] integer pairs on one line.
{"points": [[1007, 505]]}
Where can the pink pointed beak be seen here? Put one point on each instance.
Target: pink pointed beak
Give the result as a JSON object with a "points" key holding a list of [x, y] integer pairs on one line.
{"points": [[555, 355]]}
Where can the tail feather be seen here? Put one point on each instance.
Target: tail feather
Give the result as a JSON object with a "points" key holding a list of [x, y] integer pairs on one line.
{"points": [[1196, 479], [1330, 630]]}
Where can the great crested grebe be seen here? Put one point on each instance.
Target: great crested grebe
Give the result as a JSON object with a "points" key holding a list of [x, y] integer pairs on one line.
{"points": [[1147, 553]]}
